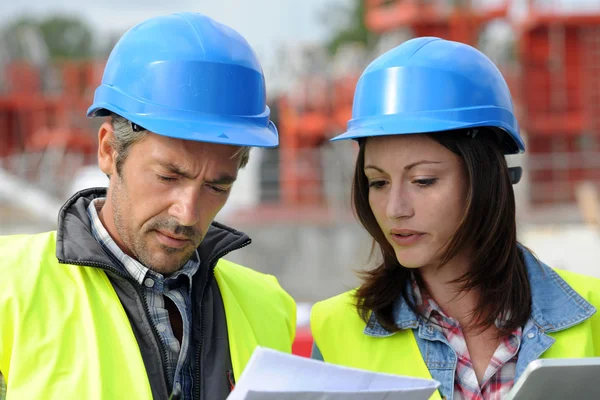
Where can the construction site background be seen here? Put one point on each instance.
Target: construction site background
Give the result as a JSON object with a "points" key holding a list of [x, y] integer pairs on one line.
{"points": [[294, 201]]}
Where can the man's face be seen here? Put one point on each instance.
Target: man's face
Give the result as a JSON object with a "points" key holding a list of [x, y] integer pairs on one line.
{"points": [[168, 192]]}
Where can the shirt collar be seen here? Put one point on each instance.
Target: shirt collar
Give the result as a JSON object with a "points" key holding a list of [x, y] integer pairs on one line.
{"points": [[131, 266]]}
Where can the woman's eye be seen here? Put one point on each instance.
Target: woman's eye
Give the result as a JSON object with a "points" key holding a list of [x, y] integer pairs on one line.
{"points": [[377, 184], [425, 182]]}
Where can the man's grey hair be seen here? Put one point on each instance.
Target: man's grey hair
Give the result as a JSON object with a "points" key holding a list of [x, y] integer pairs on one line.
{"points": [[125, 137]]}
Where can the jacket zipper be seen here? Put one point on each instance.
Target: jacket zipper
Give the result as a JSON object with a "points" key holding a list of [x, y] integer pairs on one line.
{"points": [[161, 343], [142, 295], [212, 263]]}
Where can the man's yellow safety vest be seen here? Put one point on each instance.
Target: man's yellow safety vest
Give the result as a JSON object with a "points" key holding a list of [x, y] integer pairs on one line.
{"points": [[338, 331], [65, 334]]}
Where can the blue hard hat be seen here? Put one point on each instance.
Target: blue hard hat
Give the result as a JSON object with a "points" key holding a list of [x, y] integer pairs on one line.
{"points": [[189, 77], [428, 85]]}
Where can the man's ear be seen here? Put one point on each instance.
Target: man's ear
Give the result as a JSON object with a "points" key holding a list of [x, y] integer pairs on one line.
{"points": [[107, 156]]}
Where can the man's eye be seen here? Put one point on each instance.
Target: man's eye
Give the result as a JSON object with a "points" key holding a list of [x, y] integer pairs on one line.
{"points": [[166, 178], [218, 189]]}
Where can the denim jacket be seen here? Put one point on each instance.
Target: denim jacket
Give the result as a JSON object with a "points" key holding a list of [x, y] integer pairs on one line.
{"points": [[555, 307]]}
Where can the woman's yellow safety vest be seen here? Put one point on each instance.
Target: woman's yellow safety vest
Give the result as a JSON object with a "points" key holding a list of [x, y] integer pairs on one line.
{"points": [[64, 333], [338, 332]]}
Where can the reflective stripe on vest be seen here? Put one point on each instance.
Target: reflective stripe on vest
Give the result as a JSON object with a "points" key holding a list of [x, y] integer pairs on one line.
{"points": [[64, 332], [338, 331]]}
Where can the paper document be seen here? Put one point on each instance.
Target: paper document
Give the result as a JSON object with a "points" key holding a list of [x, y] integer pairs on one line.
{"points": [[272, 375]]}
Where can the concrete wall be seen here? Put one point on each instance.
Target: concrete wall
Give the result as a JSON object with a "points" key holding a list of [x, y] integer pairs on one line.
{"points": [[311, 262], [567, 246]]}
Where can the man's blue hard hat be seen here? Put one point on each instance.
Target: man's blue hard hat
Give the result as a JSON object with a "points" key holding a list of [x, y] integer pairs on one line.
{"points": [[187, 76]]}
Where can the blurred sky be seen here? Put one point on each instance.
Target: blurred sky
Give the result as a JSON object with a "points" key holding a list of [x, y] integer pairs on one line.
{"points": [[263, 22], [266, 24]]}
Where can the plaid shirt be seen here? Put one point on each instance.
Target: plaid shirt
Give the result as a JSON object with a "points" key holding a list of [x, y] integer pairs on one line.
{"points": [[500, 373], [177, 287]]}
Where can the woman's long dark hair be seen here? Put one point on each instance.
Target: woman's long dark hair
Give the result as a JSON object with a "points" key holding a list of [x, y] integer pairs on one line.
{"points": [[488, 226]]}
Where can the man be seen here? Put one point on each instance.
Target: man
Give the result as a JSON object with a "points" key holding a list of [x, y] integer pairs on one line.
{"points": [[130, 298]]}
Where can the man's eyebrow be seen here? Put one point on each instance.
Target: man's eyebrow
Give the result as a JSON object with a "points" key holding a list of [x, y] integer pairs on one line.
{"points": [[223, 180], [176, 169], [173, 168]]}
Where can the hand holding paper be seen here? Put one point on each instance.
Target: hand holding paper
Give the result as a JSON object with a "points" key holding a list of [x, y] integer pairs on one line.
{"points": [[272, 375]]}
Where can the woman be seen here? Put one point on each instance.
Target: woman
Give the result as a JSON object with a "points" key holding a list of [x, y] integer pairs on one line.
{"points": [[455, 297]]}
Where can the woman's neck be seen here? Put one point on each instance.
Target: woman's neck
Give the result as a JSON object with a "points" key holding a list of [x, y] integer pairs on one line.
{"points": [[448, 295]]}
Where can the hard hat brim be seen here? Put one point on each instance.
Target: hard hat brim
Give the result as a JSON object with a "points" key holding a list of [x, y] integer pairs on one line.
{"points": [[234, 131], [392, 125]]}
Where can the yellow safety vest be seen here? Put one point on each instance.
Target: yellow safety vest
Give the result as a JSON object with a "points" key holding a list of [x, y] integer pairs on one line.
{"points": [[338, 332], [65, 334]]}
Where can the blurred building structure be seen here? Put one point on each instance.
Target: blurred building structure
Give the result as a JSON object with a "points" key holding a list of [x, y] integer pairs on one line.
{"points": [[295, 201]]}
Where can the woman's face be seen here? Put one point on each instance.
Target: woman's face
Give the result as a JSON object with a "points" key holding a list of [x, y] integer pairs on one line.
{"points": [[417, 192]]}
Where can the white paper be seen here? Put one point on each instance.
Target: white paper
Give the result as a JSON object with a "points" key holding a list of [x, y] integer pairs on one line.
{"points": [[272, 375]]}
